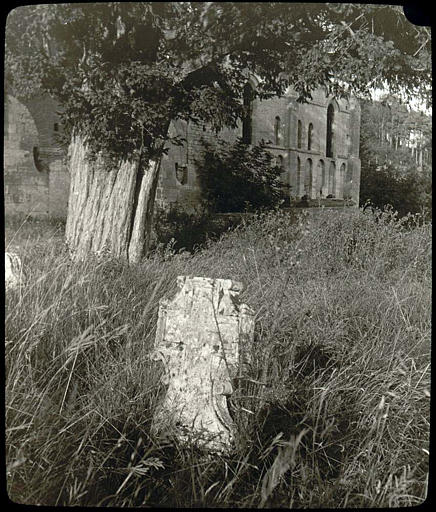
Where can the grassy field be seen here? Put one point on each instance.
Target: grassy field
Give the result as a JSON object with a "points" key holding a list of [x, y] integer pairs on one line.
{"points": [[342, 342]]}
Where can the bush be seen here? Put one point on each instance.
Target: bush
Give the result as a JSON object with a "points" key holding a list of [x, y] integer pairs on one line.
{"points": [[236, 177], [406, 192]]}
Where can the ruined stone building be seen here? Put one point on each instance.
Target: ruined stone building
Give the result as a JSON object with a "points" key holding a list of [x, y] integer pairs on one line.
{"points": [[315, 143], [36, 179]]}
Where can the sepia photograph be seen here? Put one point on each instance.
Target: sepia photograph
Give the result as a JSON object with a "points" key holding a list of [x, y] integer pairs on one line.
{"points": [[218, 239]]}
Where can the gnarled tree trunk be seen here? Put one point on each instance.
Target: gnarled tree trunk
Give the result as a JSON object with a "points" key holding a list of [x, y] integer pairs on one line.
{"points": [[110, 210]]}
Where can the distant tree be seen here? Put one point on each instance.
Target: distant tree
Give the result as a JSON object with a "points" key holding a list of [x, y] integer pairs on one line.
{"points": [[396, 155], [124, 71], [393, 133]]}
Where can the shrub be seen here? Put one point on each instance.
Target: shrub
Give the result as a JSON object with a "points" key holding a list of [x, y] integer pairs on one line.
{"points": [[236, 177], [408, 192]]}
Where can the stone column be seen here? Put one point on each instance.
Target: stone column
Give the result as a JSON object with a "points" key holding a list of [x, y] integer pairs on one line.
{"points": [[293, 173], [354, 160], [203, 338], [292, 125], [354, 129], [355, 165]]}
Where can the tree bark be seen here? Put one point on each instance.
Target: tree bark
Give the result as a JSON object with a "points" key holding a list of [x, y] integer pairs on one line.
{"points": [[110, 210]]}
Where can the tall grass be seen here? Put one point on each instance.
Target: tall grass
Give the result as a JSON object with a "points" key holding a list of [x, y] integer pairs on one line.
{"points": [[333, 410]]}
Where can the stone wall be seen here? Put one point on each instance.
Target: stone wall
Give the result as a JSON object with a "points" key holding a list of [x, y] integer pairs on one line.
{"points": [[36, 179], [306, 169], [59, 187], [26, 187], [180, 160]]}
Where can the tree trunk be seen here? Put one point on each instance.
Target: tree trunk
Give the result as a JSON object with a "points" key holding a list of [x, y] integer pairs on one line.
{"points": [[110, 211]]}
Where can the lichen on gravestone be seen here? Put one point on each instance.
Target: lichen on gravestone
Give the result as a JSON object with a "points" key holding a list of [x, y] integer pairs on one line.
{"points": [[203, 339]]}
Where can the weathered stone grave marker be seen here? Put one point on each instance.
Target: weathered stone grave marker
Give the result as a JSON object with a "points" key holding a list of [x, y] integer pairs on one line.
{"points": [[13, 270], [203, 338]]}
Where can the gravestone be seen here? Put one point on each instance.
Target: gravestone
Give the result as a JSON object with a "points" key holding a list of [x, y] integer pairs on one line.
{"points": [[13, 270], [203, 339]]}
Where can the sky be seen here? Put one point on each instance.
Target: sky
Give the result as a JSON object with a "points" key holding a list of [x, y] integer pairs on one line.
{"points": [[415, 103]]}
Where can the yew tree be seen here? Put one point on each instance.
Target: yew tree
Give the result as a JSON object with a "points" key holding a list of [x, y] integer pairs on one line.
{"points": [[124, 71]]}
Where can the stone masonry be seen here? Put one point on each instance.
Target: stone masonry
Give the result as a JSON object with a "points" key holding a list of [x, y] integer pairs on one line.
{"points": [[36, 178], [316, 143], [307, 166]]}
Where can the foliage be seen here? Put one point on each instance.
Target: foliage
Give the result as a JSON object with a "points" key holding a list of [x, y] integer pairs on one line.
{"points": [[383, 185], [122, 71], [235, 177], [391, 173], [338, 389], [389, 130], [189, 230]]}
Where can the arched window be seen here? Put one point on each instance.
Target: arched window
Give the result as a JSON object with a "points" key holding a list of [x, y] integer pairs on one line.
{"points": [[309, 136], [299, 134], [181, 173], [247, 129], [348, 183], [308, 179], [277, 134], [342, 180], [330, 120], [37, 160]]}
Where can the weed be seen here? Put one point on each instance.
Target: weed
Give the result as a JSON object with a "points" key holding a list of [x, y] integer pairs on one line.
{"points": [[332, 411]]}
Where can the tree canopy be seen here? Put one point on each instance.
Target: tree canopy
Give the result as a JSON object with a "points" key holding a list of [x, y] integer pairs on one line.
{"points": [[123, 71], [396, 155], [391, 132]]}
